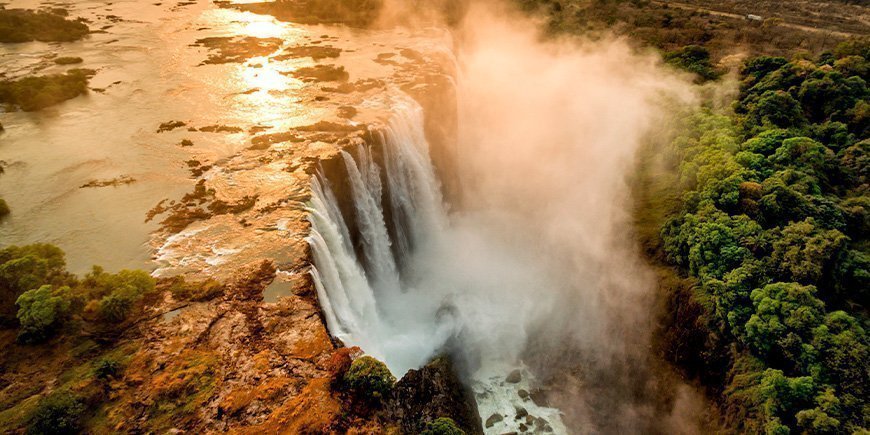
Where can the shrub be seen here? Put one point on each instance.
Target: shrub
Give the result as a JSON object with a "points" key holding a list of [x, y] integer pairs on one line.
{"points": [[60, 413], [114, 296], [4, 208], [21, 25], [694, 59], [40, 312], [370, 378], [442, 426], [106, 368], [39, 92]]}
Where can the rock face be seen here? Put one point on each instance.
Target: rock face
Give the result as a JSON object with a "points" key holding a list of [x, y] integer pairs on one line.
{"points": [[431, 392]]}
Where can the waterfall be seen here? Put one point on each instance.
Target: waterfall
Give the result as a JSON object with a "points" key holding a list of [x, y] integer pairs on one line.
{"points": [[438, 280], [363, 299]]}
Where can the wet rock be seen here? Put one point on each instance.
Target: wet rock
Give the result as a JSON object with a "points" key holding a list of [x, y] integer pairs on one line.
{"points": [[321, 73], [521, 412], [523, 427], [514, 377], [170, 125], [230, 49], [493, 419], [346, 112], [221, 129], [429, 393], [315, 52], [117, 181], [523, 394], [186, 143], [539, 397]]}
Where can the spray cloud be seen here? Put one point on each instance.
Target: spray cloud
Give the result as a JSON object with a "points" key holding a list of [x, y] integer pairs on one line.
{"points": [[536, 267]]}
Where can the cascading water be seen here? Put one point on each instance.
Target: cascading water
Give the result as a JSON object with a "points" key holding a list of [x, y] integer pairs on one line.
{"points": [[447, 275]]}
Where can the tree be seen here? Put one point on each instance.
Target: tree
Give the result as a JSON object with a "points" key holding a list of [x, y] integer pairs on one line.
{"points": [[805, 253], [843, 350], [776, 109], [806, 155], [40, 312], [28, 267], [758, 67], [695, 59], [785, 315], [829, 95]]}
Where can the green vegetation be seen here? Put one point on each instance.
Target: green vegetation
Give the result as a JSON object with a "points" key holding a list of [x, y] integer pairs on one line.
{"points": [[40, 312], [182, 290], [694, 59], [26, 268], [773, 224], [442, 426], [22, 25], [34, 278], [59, 413], [67, 60], [369, 378], [107, 368], [39, 92]]}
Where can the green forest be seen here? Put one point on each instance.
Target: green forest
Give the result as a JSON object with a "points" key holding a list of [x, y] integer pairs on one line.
{"points": [[771, 225]]}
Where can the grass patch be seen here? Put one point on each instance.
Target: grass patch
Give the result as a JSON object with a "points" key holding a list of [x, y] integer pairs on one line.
{"points": [[38, 92], [23, 25]]}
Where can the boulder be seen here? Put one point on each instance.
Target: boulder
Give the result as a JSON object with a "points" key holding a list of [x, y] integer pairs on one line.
{"points": [[514, 377], [493, 419]]}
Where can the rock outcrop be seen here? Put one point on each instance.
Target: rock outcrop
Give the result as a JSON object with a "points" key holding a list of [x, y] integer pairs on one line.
{"points": [[431, 392]]}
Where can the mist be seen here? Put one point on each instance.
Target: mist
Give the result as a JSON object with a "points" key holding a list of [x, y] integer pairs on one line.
{"points": [[549, 131], [534, 267]]}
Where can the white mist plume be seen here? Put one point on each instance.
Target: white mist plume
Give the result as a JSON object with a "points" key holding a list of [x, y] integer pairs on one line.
{"points": [[537, 263]]}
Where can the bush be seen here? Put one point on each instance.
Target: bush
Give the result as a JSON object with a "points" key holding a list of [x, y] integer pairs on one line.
{"points": [[107, 368], [442, 426], [39, 92], [370, 378], [694, 59], [113, 297], [60, 413], [40, 312], [21, 25], [4, 208]]}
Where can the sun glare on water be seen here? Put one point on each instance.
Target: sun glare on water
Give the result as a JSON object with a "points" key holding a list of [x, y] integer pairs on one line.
{"points": [[263, 28]]}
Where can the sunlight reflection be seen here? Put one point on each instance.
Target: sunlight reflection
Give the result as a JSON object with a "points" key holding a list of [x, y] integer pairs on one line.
{"points": [[263, 28], [267, 77]]}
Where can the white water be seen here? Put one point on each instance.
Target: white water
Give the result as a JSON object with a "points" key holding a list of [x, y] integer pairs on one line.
{"points": [[448, 287]]}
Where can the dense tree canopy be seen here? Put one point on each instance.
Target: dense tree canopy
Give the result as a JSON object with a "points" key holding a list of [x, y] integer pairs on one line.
{"points": [[773, 224]]}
